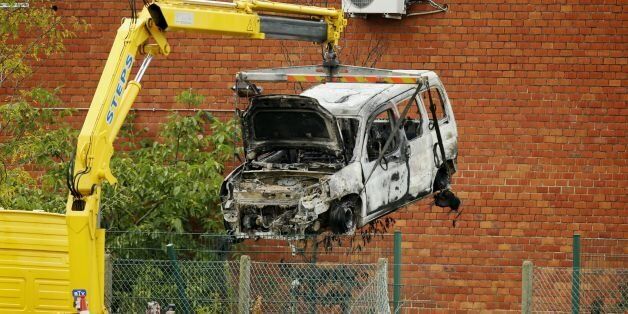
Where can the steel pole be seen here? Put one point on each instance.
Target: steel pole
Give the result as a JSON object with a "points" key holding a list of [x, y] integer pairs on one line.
{"points": [[397, 272], [575, 276], [186, 308]]}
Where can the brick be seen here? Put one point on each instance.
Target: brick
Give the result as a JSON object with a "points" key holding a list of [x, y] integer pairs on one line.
{"points": [[539, 93]]}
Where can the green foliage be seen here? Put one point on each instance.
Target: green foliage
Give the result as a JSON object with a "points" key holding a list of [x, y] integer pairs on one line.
{"points": [[170, 185], [190, 98], [28, 142], [28, 34], [209, 286], [166, 185], [33, 145]]}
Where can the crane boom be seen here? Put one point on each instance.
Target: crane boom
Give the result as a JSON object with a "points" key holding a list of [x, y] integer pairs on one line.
{"points": [[115, 94]]}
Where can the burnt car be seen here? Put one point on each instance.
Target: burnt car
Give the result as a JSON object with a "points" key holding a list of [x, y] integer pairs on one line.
{"points": [[319, 161]]}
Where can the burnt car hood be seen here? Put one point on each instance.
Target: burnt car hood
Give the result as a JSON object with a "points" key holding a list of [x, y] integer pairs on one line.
{"points": [[289, 121]]}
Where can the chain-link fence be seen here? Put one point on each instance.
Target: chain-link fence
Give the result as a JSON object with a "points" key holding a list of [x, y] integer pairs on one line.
{"points": [[245, 286], [447, 288], [599, 290], [435, 274], [319, 288], [604, 253], [597, 282], [193, 287]]}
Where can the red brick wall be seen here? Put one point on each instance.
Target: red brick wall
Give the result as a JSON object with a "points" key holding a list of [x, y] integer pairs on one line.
{"points": [[539, 93]]}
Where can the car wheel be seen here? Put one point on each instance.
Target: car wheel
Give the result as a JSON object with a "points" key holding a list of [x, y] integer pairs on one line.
{"points": [[442, 180], [342, 217]]}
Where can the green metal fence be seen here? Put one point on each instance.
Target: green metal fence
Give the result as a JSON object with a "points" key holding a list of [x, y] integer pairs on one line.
{"points": [[424, 274], [319, 288], [198, 287], [247, 286], [597, 282], [599, 290]]}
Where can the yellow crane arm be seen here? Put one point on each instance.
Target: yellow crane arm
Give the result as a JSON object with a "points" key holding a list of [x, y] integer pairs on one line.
{"points": [[115, 94]]}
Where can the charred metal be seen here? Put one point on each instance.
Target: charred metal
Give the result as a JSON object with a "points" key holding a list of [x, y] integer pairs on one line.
{"points": [[337, 157]]}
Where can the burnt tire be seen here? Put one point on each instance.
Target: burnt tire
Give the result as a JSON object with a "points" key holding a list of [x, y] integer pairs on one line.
{"points": [[342, 217], [442, 180]]}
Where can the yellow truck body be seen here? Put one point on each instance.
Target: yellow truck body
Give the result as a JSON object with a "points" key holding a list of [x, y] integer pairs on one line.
{"points": [[34, 263], [35, 254]]}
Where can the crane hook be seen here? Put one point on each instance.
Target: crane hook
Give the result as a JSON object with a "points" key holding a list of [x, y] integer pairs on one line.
{"points": [[330, 61]]}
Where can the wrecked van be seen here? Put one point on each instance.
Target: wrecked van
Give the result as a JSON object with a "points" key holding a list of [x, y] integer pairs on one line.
{"points": [[338, 156]]}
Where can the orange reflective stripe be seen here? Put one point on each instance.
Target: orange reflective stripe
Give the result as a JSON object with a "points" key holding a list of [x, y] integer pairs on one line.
{"points": [[305, 78], [381, 79], [353, 79], [401, 80]]}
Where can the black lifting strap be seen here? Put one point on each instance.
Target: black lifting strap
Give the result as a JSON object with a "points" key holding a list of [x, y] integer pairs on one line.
{"points": [[396, 126], [445, 195], [441, 146]]}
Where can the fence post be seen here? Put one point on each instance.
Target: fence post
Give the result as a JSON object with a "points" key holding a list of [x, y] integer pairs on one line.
{"points": [[382, 267], [185, 308], [526, 287], [244, 284], [575, 276], [108, 281], [397, 272], [382, 278]]}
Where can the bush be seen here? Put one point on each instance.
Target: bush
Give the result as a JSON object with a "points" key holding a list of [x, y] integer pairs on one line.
{"points": [[166, 185], [170, 184], [32, 145]]}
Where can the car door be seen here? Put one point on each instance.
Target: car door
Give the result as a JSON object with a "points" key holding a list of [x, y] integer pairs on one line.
{"points": [[446, 122], [388, 181], [419, 145]]}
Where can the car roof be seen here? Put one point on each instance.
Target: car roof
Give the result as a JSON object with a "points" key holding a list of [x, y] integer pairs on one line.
{"points": [[355, 99]]}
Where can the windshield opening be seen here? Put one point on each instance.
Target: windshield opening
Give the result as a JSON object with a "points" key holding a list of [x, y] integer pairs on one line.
{"points": [[289, 125]]}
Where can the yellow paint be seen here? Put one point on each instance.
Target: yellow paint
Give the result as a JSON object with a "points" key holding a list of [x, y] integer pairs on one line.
{"points": [[38, 250], [34, 265], [217, 21]]}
